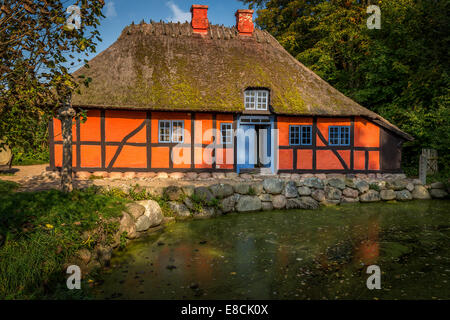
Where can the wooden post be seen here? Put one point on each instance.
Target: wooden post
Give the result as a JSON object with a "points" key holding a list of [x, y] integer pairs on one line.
{"points": [[423, 168], [66, 114]]}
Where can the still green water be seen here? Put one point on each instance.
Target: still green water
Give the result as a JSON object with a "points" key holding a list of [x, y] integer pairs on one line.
{"points": [[297, 254]]}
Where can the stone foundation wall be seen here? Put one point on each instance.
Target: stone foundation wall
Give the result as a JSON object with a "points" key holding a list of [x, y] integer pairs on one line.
{"points": [[247, 194]]}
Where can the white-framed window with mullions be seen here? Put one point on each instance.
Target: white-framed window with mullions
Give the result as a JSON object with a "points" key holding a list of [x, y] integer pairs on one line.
{"points": [[226, 133], [256, 99], [171, 131]]}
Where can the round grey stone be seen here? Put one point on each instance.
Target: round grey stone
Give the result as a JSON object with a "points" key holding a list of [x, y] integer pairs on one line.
{"points": [[279, 201]]}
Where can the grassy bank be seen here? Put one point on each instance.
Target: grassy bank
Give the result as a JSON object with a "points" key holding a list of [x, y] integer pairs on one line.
{"points": [[39, 231]]}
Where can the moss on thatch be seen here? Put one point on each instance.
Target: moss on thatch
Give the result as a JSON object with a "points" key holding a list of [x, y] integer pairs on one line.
{"points": [[164, 66]]}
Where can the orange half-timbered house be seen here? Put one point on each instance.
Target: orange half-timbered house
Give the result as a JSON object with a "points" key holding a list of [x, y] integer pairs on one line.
{"points": [[201, 97]]}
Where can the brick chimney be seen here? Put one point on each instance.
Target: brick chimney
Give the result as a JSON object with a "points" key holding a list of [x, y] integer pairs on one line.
{"points": [[244, 22], [199, 21]]}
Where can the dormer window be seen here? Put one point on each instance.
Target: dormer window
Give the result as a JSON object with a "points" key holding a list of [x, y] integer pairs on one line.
{"points": [[256, 99]]}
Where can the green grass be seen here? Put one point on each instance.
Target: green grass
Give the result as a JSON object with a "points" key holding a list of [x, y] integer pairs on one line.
{"points": [[39, 231]]}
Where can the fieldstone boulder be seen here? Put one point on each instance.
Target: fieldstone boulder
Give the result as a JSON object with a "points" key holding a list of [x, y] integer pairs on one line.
{"points": [[228, 203], [188, 190], [204, 176], [241, 188], [205, 213], [318, 195], [293, 203], [265, 197], [370, 196], [349, 200], [162, 175], [221, 191], [257, 188], [397, 185], [127, 225], [279, 201], [135, 210], [231, 175], [152, 211], [362, 186], [173, 193], [410, 186], [350, 183], [308, 203], [438, 193], [266, 206], [204, 193], [420, 192], [5, 156], [191, 175], [143, 223], [313, 182], [189, 203], [218, 175], [304, 191], [437, 185], [179, 209], [332, 193], [387, 195], [350, 193], [403, 195], [273, 186], [337, 183], [290, 190], [248, 203]]}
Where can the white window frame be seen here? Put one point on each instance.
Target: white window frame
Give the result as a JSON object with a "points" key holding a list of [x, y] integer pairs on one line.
{"points": [[228, 129], [171, 127], [256, 99]]}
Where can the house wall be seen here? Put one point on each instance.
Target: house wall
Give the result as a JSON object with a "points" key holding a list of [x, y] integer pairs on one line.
{"points": [[363, 154], [121, 140]]}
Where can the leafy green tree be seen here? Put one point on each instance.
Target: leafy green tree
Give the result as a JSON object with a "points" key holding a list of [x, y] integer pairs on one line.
{"points": [[36, 46]]}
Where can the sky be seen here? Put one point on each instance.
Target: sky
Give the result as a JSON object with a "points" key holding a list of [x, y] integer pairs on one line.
{"points": [[121, 13]]}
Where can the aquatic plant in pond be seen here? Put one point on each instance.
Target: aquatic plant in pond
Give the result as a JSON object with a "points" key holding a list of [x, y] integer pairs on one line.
{"points": [[302, 254]]}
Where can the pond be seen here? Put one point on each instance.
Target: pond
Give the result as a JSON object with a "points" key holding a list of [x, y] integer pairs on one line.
{"points": [[297, 254]]}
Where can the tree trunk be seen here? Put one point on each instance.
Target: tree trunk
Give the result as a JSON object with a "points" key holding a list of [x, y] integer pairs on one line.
{"points": [[66, 115]]}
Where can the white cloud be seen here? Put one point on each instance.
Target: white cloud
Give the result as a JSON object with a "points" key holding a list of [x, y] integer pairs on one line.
{"points": [[178, 14], [110, 11]]}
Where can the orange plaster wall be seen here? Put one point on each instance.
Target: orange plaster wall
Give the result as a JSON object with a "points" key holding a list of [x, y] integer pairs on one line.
{"points": [[324, 123], [181, 157], [57, 134], [285, 159], [359, 158], [326, 160], [58, 155], [90, 129], [345, 155], [118, 124], [374, 160], [367, 134], [203, 157], [205, 135], [91, 156], [160, 157], [304, 159], [283, 127], [224, 158], [131, 157]]}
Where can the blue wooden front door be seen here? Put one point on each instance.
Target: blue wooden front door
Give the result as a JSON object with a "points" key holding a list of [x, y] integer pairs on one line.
{"points": [[246, 147]]}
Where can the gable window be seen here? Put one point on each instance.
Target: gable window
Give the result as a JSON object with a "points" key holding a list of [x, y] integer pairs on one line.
{"points": [[171, 131], [300, 135], [226, 132], [256, 99], [339, 135]]}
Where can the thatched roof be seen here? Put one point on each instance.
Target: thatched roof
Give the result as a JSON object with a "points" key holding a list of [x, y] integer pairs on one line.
{"points": [[164, 66]]}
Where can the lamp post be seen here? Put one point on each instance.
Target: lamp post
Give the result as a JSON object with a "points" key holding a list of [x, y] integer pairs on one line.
{"points": [[65, 115]]}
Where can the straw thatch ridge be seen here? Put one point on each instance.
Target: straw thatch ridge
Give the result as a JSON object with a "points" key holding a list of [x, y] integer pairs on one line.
{"points": [[165, 66]]}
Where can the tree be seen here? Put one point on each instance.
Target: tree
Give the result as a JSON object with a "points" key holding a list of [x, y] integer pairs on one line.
{"points": [[400, 71], [35, 48]]}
